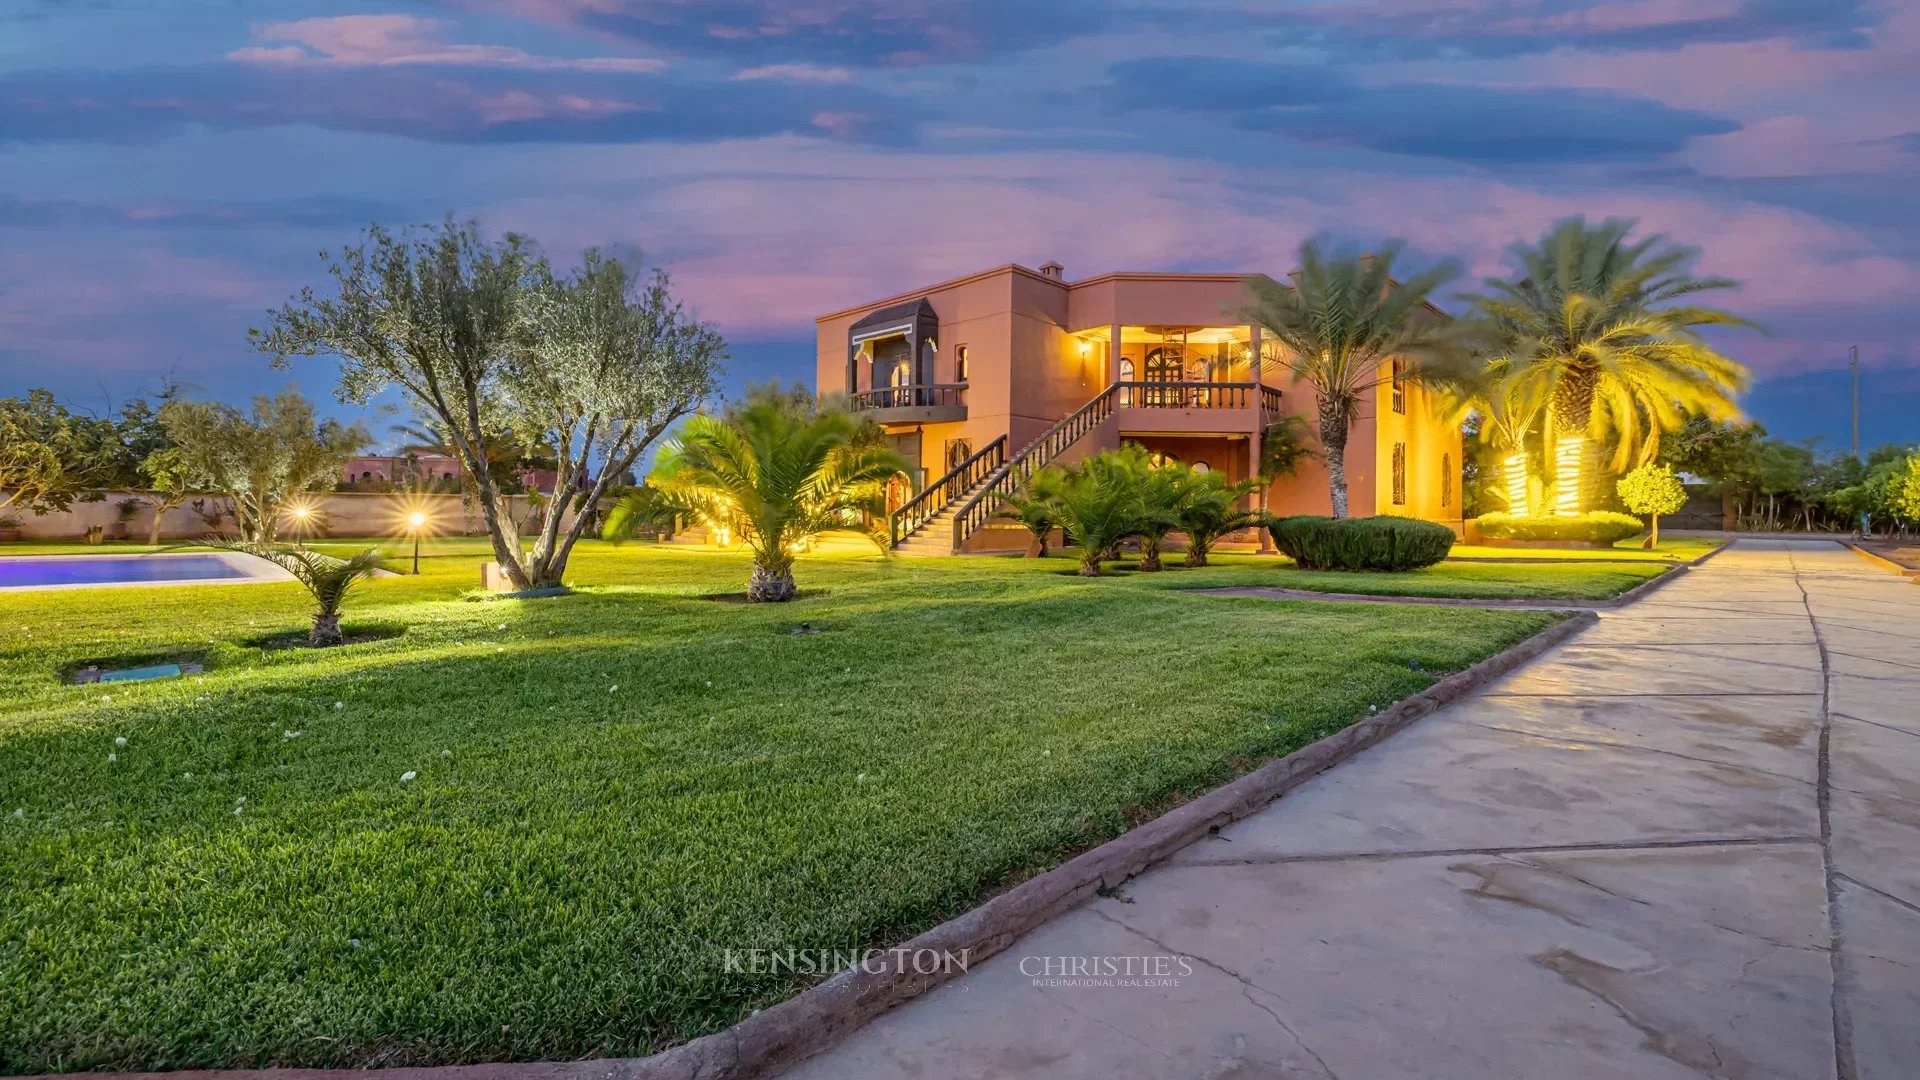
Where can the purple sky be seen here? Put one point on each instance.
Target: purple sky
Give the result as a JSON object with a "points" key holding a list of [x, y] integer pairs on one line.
{"points": [[168, 170]]}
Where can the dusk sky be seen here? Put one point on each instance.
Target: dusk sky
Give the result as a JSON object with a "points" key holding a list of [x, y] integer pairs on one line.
{"points": [[169, 169]]}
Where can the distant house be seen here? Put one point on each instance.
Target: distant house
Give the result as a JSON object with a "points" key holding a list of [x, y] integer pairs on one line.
{"points": [[424, 469]]}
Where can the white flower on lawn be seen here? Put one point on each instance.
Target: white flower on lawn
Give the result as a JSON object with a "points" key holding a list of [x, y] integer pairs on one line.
{"points": [[239, 809], [111, 758], [1373, 708], [446, 753], [503, 626], [612, 688], [1046, 753], [355, 942], [709, 684], [19, 812], [121, 741], [291, 734], [860, 779], [407, 777], [339, 704]]}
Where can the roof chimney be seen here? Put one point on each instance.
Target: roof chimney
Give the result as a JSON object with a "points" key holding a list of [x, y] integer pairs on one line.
{"points": [[1051, 269]]}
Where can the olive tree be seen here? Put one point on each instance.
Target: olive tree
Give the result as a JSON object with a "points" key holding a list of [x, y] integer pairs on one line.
{"points": [[256, 459], [489, 344]]}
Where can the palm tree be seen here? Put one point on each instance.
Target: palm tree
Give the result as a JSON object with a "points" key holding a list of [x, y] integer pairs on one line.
{"points": [[1509, 407], [327, 579], [1032, 507], [1100, 504], [1341, 322], [1164, 489], [1211, 510], [776, 472], [1599, 326]]}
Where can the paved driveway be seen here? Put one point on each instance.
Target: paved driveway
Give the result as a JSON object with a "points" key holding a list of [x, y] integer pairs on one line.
{"points": [[1685, 844]]}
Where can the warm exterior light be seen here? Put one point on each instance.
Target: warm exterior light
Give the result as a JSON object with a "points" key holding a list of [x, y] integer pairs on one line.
{"points": [[416, 519], [1086, 347], [1516, 476], [1566, 476]]}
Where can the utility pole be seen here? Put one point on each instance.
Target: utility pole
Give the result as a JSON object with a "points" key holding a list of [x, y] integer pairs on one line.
{"points": [[1854, 364]]}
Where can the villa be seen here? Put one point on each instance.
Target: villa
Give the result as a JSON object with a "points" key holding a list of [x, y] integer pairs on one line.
{"points": [[983, 379]]}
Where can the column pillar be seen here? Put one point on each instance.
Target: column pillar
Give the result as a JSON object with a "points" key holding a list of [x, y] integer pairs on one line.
{"points": [[1113, 353]]}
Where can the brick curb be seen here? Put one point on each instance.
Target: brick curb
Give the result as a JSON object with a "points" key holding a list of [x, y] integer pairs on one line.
{"points": [[1884, 563], [769, 1042]]}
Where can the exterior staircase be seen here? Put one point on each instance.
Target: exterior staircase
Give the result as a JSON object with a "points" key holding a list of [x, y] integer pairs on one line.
{"points": [[941, 518]]}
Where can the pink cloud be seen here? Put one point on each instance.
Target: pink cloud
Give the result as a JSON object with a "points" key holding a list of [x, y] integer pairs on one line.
{"points": [[376, 40], [813, 73], [743, 255]]}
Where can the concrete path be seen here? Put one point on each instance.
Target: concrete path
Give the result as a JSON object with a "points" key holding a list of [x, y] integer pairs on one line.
{"points": [[1685, 844]]}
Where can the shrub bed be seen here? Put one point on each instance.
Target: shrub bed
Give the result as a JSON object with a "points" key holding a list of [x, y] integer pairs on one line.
{"points": [[1375, 543], [1599, 527]]}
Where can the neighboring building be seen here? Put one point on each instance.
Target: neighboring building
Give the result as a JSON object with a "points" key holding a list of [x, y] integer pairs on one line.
{"points": [[980, 380], [425, 469]]}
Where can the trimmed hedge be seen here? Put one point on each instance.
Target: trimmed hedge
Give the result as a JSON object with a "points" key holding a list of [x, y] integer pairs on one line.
{"points": [[1600, 527], [1372, 543]]}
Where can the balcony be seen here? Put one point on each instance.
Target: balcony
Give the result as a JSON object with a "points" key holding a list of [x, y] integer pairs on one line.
{"points": [[1180, 408], [934, 403]]}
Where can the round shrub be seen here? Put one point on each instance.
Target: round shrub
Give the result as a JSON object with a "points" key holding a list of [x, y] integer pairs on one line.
{"points": [[1373, 543], [1598, 527]]}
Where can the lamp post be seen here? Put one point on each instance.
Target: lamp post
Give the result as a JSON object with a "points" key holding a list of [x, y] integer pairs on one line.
{"points": [[414, 522]]}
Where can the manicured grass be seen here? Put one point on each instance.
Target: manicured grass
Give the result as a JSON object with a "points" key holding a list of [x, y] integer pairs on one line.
{"points": [[1465, 580], [613, 788], [1684, 549]]}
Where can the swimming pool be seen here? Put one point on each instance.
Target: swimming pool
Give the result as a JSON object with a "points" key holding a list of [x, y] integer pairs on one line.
{"points": [[88, 571]]}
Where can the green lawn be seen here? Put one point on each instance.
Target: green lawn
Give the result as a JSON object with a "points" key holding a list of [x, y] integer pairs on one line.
{"points": [[1684, 549], [612, 788]]}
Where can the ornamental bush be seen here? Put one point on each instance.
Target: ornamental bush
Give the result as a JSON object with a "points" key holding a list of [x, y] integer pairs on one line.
{"points": [[1599, 526], [1373, 543]]}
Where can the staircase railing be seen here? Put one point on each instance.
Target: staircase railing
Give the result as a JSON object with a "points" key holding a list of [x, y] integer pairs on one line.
{"points": [[933, 498], [979, 509]]}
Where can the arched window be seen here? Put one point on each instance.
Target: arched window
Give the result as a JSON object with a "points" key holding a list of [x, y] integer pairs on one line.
{"points": [[1399, 474], [1202, 467], [1400, 386], [1446, 479], [900, 378], [1126, 376], [960, 363]]}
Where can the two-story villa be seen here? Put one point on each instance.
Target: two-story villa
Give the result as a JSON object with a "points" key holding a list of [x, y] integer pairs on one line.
{"points": [[981, 380]]}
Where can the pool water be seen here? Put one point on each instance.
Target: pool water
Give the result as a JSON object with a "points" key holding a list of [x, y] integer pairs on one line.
{"points": [[114, 569]]}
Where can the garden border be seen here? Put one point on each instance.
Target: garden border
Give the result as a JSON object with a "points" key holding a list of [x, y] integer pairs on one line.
{"points": [[768, 1042], [1884, 563]]}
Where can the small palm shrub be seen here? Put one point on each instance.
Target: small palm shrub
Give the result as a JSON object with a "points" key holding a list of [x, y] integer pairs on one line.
{"points": [[1373, 543], [327, 579], [1211, 510], [1100, 503], [1597, 527], [1032, 507]]}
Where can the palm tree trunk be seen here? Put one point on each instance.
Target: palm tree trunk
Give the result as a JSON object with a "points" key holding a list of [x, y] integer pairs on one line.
{"points": [[1090, 563], [326, 631], [771, 584], [1196, 551], [1149, 554], [1037, 547], [1336, 415]]}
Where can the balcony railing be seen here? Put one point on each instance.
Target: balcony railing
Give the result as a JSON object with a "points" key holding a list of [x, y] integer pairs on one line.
{"points": [[906, 397], [1186, 395]]}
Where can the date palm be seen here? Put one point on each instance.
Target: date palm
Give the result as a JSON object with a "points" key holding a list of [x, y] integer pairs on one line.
{"points": [[1341, 323], [774, 471], [1100, 503], [1211, 510], [327, 579], [1032, 507], [1604, 329]]}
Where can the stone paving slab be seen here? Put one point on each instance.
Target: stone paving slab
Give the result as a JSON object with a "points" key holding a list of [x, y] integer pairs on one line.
{"points": [[1552, 879]]}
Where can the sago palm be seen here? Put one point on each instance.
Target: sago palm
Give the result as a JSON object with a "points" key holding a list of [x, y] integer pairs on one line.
{"points": [[327, 579], [1509, 407], [1602, 326], [1211, 510], [777, 474], [1340, 324]]}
